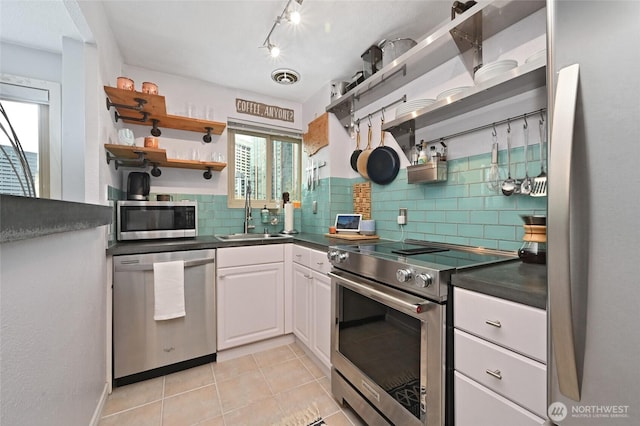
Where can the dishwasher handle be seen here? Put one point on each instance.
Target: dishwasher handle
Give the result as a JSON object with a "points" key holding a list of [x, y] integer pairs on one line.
{"points": [[136, 265]]}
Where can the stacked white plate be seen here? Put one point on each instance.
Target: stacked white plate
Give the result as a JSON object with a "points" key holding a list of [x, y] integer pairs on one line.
{"points": [[411, 106], [451, 92], [539, 54], [494, 69]]}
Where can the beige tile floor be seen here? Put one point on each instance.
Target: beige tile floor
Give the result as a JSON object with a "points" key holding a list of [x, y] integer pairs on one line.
{"points": [[277, 386]]}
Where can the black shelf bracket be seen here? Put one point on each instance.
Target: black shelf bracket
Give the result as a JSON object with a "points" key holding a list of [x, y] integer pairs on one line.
{"points": [[139, 162], [154, 128], [207, 138], [139, 107]]}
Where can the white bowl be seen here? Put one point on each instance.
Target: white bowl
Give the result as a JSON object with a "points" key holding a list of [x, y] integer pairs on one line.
{"points": [[539, 54], [451, 92], [411, 106], [494, 69]]}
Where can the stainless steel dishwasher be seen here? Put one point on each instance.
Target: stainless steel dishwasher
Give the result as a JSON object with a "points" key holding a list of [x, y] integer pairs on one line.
{"points": [[145, 348]]}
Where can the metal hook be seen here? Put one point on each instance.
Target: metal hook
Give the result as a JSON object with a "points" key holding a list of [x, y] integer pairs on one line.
{"points": [[541, 117], [358, 127], [509, 125], [369, 117], [494, 133], [525, 121], [382, 114]]}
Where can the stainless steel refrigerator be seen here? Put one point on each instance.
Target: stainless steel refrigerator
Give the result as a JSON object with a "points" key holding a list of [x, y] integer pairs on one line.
{"points": [[594, 212]]}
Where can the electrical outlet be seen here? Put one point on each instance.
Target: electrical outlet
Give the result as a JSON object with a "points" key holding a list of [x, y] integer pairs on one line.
{"points": [[402, 217]]}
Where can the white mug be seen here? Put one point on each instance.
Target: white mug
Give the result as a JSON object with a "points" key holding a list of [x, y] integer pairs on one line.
{"points": [[125, 137]]}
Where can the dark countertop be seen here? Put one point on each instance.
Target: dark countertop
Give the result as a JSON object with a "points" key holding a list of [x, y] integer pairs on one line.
{"points": [[520, 282], [314, 241], [23, 218]]}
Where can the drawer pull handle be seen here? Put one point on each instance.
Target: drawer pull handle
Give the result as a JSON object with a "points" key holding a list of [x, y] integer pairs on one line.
{"points": [[495, 374], [320, 263], [298, 255], [494, 323]]}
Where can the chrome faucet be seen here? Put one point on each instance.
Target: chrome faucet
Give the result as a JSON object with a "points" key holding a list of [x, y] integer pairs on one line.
{"points": [[247, 207]]}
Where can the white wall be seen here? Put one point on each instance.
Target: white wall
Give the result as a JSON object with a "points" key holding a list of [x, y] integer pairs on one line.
{"points": [[178, 92], [52, 314], [32, 63], [53, 309]]}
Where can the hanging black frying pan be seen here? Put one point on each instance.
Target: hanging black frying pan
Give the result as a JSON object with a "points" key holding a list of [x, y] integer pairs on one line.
{"points": [[383, 164], [356, 153]]}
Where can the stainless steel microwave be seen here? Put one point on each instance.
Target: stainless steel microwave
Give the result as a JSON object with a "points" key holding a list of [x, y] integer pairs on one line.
{"points": [[140, 220]]}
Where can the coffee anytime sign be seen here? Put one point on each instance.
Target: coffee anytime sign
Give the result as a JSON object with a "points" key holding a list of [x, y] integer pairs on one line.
{"points": [[263, 110]]}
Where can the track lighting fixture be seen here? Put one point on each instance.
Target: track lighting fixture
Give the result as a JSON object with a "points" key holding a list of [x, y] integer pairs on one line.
{"points": [[289, 14]]}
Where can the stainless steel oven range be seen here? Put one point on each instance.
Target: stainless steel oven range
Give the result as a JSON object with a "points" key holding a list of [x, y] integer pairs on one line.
{"points": [[389, 353]]}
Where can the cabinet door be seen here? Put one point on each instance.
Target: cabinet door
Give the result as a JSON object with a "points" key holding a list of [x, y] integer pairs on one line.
{"points": [[302, 303], [321, 335], [250, 304]]}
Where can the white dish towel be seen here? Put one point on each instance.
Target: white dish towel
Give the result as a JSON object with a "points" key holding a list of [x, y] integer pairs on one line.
{"points": [[168, 288]]}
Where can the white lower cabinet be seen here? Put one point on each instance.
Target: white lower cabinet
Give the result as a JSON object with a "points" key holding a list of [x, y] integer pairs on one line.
{"points": [[302, 303], [250, 294], [476, 405], [499, 376], [312, 302]]}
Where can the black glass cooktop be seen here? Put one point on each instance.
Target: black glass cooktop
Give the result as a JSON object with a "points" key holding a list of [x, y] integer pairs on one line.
{"points": [[434, 255]]}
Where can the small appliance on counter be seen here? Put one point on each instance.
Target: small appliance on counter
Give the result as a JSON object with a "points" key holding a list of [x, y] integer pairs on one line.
{"points": [[144, 220], [534, 249], [138, 185]]}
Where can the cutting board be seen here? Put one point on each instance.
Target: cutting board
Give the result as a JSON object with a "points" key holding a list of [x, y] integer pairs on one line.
{"points": [[352, 236]]}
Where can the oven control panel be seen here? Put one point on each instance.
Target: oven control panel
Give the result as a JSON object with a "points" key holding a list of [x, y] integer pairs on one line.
{"points": [[406, 275], [420, 280]]}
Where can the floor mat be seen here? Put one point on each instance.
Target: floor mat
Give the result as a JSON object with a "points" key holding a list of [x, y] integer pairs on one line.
{"points": [[307, 417]]}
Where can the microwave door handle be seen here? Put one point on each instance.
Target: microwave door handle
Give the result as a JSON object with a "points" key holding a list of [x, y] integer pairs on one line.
{"points": [[559, 235], [403, 302]]}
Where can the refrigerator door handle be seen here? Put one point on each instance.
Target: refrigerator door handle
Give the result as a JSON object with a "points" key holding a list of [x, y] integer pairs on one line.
{"points": [[559, 235]]}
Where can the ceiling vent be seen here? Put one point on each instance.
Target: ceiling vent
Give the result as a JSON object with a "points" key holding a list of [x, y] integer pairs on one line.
{"points": [[285, 76]]}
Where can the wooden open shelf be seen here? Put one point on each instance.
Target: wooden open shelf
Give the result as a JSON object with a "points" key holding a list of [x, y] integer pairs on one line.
{"points": [[156, 109], [158, 157]]}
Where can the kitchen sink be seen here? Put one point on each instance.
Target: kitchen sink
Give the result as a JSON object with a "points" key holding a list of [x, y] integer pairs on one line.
{"points": [[251, 237]]}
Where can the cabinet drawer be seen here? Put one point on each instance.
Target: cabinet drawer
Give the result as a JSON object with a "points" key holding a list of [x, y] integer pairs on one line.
{"points": [[512, 325], [318, 261], [476, 405], [519, 378], [301, 255], [250, 255]]}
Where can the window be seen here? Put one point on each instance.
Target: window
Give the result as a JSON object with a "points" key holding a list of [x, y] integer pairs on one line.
{"points": [[33, 107], [268, 162], [24, 119]]}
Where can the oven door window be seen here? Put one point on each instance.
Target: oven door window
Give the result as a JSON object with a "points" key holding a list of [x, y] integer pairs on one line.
{"points": [[384, 344]]}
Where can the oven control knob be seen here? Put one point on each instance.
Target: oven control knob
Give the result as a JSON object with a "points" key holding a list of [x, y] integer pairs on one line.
{"points": [[332, 255], [342, 257], [424, 280], [404, 275]]}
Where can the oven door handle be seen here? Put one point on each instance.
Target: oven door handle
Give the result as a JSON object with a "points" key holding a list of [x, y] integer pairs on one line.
{"points": [[391, 297]]}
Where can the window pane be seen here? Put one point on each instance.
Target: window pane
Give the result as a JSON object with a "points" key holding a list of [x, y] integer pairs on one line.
{"points": [[250, 166], [25, 119], [284, 174]]}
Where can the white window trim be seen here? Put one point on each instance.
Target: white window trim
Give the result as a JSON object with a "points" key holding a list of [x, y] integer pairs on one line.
{"points": [[257, 130], [54, 165]]}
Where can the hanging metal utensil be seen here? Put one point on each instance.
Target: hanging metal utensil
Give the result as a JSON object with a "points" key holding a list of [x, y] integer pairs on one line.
{"points": [[494, 173], [509, 185], [540, 182], [526, 185]]}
